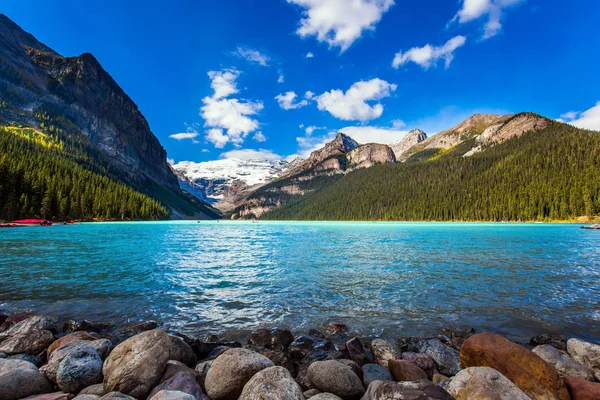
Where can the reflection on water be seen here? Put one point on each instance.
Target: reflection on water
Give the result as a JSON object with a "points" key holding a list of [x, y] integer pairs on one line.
{"points": [[389, 279]]}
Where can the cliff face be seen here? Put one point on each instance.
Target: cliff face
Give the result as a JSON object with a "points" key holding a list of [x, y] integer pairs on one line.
{"points": [[367, 155], [413, 138]]}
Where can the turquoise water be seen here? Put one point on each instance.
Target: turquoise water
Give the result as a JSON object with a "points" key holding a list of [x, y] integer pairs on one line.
{"points": [[389, 279]]}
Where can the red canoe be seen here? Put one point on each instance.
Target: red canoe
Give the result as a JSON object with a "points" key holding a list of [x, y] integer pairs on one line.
{"points": [[41, 222]]}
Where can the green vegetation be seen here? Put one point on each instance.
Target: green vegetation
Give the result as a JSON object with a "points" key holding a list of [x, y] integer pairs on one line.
{"points": [[552, 174]]}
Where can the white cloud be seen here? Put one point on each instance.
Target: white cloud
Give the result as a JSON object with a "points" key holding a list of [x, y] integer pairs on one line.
{"points": [[280, 78], [310, 129], [251, 154], [185, 135], [229, 119], [354, 104], [309, 95], [492, 9], [259, 137], [340, 22], [253, 56], [309, 55], [429, 55], [589, 119], [374, 134], [398, 123], [287, 101]]}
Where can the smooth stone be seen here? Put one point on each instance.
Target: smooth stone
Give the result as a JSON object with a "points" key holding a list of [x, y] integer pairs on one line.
{"points": [[14, 319], [203, 349], [218, 351], [172, 395], [558, 341], [325, 396], [281, 339], [102, 346], [383, 352], [139, 327], [585, 353], [403, 370], [375, 372], [303, 345], [230, 372], [79, 369], [50, 396], [173, 367], [181, 351], [580, 389], [35, 360], [336, 378], [353, 366], [273, 383], [317, 355], [423, 361], [86, 397], [116, 396], [20, 379], [357, 352], [446, 358], [260, 338], [51, 368], [85, 325], [32, 342], [180, 382], [521, 366], [439, 379], [34, 323], [484, 383], [97, 390], [279, 358], [562, 362], [202, 369], [420, 390], [72, 337], [135, 366], [311, 392]]}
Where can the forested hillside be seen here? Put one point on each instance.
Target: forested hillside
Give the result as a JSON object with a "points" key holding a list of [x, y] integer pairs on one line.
{"points": [[550, 174]]}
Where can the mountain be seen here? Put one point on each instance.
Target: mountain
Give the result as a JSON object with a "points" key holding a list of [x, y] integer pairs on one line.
{"points": [[520, 167], [73, 100], [413, 138]]}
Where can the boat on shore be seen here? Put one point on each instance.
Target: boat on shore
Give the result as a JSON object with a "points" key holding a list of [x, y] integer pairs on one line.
{"points": [[32, 222], [595, 226]]}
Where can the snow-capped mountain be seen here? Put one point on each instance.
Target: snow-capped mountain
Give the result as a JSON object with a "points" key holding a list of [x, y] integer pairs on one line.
{"points": [[221, 182]]}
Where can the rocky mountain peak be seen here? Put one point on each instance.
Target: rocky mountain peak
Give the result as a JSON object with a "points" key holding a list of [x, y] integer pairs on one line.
{"points": [[344, 143], [413, 138]]}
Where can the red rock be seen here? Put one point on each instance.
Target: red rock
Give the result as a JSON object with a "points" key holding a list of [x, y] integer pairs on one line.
{"points": [[403, 371], [524, 368], [73, 337], [581, 389]]}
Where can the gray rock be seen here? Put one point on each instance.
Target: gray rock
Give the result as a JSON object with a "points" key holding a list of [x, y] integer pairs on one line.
{"points": [[484, 383], [51, 368], [35, 360], [20, 379], [587, 354], [97, 390], [423, 361], [202, 370], [375, 372], [325, 396], [311, 392], [50, 396], [86, 397], [353, 366], [3, 355], [181, 382], [172, 395], [303, 345], [230, 372], [116, 396], [563, 363], [273, 383], [357, 352], [34, 323], [32, 342], [445, 357], [102, 346], [317, 355], [173, 367], [383, 352], [419, 390], [79, 369], [336, 378], [138, 327], [181, 351]]}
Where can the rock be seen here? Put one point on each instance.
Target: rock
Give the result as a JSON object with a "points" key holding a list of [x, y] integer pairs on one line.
{"points": [[14, 319], [116, 396], [20, 379], [279, 358], [357, 351], [3, 355], [173, 367], [558, 341], [420, 390], [383, 352], [50, 396], [35, 360], [231, 371], [375, 372], [580, 389], [97, 390], [85, 325], [325, 396], [202, 369], [317, 334], [484, 383], [32, 342], [139, 327], [438, 379], [367, 155], [86, 397], [181, 351], [423, 361], [51, 368], [303, 345], [317, 355], [102, 346], [273, 383], [336, 378], [445, 357], [523, 367], [281, 339], [203, 349], [34, 323], [562, 362], [260, 338], [403, 370], [311, 392], [135, 366], [218, 351], [180, 382], [353, 366], [73, 337], [587, 354], [172, 395], [79, 369], [335, 329]]}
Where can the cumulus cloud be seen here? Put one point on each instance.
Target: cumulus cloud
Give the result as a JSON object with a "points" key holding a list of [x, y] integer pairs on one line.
{"points": [[259, 137], [309, 55], [228, 119], [339, 22], [354, 104], [254, 56], [251, 154], [429, 55], [492, 9], [281, 78], [287, 101], [374, 134], [589, 119]]}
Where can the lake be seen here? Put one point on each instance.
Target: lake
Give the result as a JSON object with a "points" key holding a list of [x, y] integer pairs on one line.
{"points": [[385, 279]]}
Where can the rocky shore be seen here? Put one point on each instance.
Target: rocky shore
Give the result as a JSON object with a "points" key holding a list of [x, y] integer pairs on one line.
{"points": [[43, 360]]}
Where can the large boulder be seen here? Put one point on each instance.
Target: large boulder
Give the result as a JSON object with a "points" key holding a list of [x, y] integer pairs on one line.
{"points": [[334, 377], [445, 357], [580, 389], [95, 390], [180, 382], [484, 383], [562, 362], [59, 354], [79, 369], [273, 383], [383, 352], [72, 337], [317, 355], [230, 372], [181, 351], [419, 390], [34, 323], [32, 342], [585, 353], [14, 319], [521, 366], [375, 372], [202, 369], [135, 366], [423, 361], [173, 367], [403, 370], [50, 396], [20, 379], [357, 352]]}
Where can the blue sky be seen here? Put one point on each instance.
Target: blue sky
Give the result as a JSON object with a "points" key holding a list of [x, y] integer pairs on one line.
{"points": [[217, 78]]}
